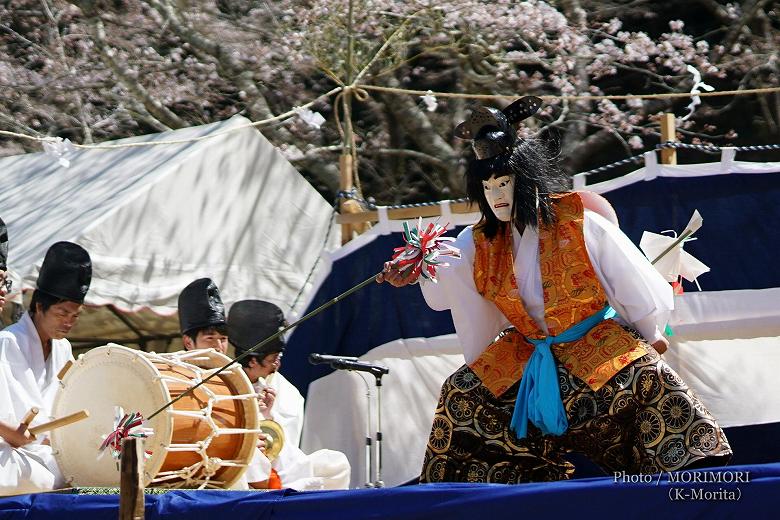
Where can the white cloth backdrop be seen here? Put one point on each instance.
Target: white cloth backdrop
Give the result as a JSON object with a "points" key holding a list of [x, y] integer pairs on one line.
{"points": [[336, 407], [726, 346]]}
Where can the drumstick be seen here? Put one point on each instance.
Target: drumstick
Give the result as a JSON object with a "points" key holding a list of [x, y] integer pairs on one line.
{"points": [[64, 369], [59, 423], [28, 418]]}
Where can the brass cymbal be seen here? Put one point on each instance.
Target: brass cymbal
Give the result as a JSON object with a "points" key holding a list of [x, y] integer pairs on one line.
{"points": [[274, 439]]}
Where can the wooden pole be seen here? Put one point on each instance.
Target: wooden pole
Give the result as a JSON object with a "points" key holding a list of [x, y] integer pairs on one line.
{"points": [[346, 161], [131, 486], [406, 213], [345, 167], [668, 133]]}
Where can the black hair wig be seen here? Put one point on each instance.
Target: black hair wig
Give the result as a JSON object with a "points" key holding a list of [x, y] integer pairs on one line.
{"points": [[533, 163]]}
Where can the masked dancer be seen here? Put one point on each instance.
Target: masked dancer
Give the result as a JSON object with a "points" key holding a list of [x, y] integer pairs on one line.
{"points": [[561, 322]]}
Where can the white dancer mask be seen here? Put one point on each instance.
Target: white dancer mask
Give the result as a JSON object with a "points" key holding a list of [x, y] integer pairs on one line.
{"points": [[499, 193]]}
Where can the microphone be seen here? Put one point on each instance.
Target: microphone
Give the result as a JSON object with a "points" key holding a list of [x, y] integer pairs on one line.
{"points": [[316, 359], [348, 363], [360, 366]]}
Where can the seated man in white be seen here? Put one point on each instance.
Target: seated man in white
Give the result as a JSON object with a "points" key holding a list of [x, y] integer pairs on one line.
{"points": [[32, 352], [249, 323], [203, 326]]}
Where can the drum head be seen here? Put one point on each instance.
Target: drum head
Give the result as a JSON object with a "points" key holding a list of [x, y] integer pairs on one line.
{"points": [[99, 381]]}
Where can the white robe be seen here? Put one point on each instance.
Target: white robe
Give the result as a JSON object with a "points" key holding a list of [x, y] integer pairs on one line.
{"points": [[26, 381], [323, 469], [639, 294]]}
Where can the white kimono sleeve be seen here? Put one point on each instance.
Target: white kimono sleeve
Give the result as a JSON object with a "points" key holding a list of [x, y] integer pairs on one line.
{"points": [[477, 320], [288, 408], [639, 294], [258, 470]]}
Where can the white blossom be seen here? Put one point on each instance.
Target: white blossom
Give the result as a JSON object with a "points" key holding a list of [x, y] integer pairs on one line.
{"points": [[430, 102], [58, 148], [313, 119], [635, 142]]}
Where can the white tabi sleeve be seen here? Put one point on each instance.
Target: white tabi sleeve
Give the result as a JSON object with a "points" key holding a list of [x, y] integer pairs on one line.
{"points": [[477, 320], [639, 294]]}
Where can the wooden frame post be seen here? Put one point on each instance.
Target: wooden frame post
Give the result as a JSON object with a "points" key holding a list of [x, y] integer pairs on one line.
{"points": [[131, 485], [668, 133], [345, 184]]}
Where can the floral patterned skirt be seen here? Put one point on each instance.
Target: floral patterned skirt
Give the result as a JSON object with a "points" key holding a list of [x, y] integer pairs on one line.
{"points": [[644, 420]]}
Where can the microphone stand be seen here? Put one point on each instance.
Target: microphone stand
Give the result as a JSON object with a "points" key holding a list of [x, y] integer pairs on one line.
{"points": [[369, 468], [378, 372], [378, 481]]}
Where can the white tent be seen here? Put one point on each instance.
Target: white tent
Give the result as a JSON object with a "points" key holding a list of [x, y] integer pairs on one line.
{"points": [[154, 218]]}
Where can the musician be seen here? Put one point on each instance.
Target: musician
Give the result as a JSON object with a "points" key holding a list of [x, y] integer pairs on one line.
{"points": [[203, 326], [202, 317], [32, 352], [249, 323]]}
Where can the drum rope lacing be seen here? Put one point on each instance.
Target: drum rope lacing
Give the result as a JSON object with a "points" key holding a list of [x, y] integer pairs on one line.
{"points": [[200, 474]]}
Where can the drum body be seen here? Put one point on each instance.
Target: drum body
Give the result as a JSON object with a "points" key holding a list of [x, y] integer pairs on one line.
{"points": [[204, 440]]}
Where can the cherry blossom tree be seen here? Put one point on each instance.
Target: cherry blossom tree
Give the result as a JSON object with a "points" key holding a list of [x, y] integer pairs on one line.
{"points": [[93, 70]]}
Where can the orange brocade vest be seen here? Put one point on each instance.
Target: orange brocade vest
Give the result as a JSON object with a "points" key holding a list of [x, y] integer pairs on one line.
{"points": [[572, 293]]}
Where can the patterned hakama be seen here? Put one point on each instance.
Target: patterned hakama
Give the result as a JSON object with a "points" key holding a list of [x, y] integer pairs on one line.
{"points": [[644, 420]]}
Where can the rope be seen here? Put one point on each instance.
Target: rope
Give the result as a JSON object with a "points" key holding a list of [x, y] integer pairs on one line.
{"points": [[317, 260], [546, 97], [370, 204], [717, 149], [704, 148], [262, 122], [200, 473], [635, 159], [361, 93]]}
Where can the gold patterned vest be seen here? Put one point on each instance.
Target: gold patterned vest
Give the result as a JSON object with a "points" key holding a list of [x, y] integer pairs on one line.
{"points": [[572, 293]]}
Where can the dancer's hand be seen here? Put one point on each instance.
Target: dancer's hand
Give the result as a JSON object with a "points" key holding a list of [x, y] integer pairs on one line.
{"points": [[661, 345], [393, 276]]}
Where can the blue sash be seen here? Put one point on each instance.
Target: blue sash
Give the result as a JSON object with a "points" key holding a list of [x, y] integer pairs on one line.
{"points": [[539, 395]]}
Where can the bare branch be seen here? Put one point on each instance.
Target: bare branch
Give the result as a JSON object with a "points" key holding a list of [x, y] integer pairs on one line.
{"points": [[715, 8], [227, 62], [750, 12], [420, 130], [153, 105], [407, 154]]}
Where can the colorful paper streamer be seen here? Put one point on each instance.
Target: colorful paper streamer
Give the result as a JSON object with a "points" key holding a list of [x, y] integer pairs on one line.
{"points": [[424, 250]]}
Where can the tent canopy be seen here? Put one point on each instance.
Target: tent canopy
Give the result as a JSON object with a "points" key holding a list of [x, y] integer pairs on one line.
{"points": [[154, 218]]}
